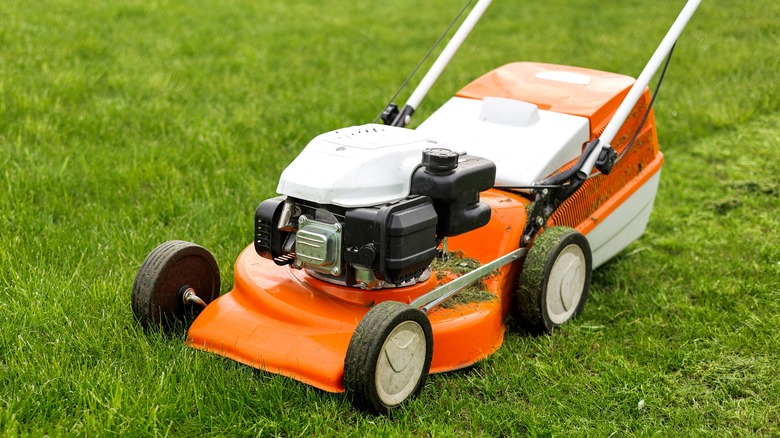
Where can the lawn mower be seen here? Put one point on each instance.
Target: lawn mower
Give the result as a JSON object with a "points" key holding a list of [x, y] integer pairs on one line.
{"points": [[392, 253]]}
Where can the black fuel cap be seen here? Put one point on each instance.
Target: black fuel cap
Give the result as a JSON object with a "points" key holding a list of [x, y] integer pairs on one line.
{"points": [[440, 160]]}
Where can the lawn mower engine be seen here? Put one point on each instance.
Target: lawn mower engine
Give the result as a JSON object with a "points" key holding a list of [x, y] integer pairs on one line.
{"points": [[368, 206]]}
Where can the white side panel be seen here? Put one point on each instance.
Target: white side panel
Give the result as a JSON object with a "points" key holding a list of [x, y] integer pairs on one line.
{"points": [[526, 143], [509, 112], [625, 224]]}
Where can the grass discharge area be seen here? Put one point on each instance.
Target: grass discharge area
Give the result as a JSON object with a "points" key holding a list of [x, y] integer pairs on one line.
{"points": [[124, 124], [455, 265]]}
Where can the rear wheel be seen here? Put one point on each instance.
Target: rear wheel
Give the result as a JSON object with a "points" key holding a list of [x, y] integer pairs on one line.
{"points": [[166, 281], [555, 279], [388, 358]]}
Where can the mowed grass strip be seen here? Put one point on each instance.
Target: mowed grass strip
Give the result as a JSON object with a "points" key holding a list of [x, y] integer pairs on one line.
{"points": [[128, 123]]}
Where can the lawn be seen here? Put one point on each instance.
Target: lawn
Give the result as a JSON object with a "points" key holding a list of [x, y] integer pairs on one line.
{"points": [[127, 123]]}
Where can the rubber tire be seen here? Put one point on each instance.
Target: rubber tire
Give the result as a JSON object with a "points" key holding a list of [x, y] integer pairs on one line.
{"points": [[532, 289], [156, 297], [364, 353]]}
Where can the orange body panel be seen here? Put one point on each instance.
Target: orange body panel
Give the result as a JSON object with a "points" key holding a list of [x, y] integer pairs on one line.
{"points": [[287, 322]]}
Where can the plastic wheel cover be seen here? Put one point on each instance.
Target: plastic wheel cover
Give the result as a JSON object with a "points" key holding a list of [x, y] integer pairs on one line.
{"points": [[400, 364], [566, 283]]}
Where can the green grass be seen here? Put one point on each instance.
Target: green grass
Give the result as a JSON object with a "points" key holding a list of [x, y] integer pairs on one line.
{"points": [[127, 123]]}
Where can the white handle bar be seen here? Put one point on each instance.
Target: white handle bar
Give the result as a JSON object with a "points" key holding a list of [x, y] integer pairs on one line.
{"points": [[639, 86]]}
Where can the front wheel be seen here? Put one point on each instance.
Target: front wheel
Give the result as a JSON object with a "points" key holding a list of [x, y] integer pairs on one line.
{"points": [[388, 357], [168, 274], [555, 279]]}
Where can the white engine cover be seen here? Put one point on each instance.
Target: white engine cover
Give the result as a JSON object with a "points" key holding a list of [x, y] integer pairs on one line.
{"points": [[372, 164], [358, 166]]}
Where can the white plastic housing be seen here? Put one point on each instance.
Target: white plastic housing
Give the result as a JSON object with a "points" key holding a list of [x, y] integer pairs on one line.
{"points": [[624, 225], [526, 143], [373, 164], [356, 167]]}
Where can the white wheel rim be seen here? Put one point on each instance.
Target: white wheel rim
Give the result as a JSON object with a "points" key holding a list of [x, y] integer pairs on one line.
{"points": [[400, 364], [566, 284]]}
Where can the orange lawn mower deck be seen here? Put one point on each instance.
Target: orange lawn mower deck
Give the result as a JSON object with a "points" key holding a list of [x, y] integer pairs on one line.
{"points": [[391, 255]]}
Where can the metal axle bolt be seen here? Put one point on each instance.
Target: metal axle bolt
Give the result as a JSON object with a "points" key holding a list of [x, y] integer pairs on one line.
{"points": [[190, 297]]}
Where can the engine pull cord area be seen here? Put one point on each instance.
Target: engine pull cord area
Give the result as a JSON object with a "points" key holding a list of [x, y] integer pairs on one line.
{"points": [[604, 164], [550, 193]]}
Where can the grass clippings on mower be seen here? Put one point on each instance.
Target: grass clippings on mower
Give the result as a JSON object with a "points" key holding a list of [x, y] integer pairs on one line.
{"points": [[455, 265]]}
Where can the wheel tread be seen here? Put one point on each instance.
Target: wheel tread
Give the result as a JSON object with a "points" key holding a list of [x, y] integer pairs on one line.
{"points": [[530, 297], [364, 349]]}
